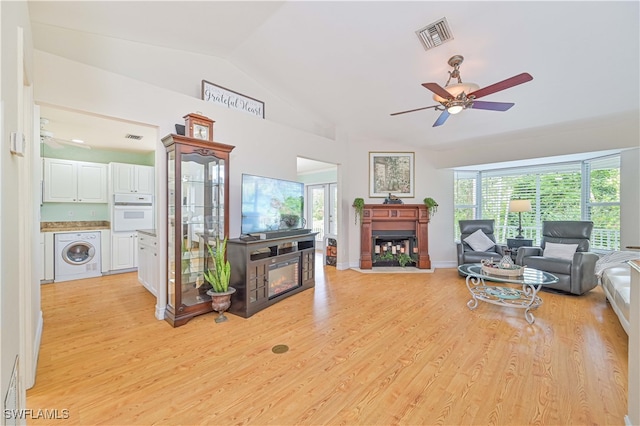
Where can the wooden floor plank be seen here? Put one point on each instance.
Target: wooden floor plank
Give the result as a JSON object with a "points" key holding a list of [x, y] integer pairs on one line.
{"points": [[373, 349]]}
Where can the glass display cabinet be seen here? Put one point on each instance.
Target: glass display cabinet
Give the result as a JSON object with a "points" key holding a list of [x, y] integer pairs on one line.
{"points": [[198, 200]]}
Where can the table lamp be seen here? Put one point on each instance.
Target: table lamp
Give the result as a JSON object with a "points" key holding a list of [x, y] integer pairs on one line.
{"points": [[519, 206]]}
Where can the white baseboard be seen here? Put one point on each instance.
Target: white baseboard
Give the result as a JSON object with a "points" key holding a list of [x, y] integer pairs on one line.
{"points": [[160, 312], [434, 265], [36, 351]]}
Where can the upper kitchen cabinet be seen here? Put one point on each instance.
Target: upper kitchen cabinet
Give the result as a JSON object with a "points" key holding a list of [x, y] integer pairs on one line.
{"points": [[132, 178], [67, 181]]}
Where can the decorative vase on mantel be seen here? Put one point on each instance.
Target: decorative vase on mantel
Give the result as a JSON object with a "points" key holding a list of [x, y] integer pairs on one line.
{"points": [[220, 302]]}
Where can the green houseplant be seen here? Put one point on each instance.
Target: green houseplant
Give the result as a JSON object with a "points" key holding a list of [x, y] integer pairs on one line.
{"points": [[358, 205], [431, 204], [219, 277], [404, 259]]}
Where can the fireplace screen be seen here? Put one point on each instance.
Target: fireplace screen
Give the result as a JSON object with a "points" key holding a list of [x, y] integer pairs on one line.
{"points": [[283, 277], [394, 248]]}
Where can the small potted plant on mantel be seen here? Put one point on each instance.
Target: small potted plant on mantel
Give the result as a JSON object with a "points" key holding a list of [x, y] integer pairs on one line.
{"points": [[219, 277]]}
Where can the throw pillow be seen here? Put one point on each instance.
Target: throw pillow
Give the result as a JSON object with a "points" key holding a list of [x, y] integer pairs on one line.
{"points": [[560, 251], [479, 241]]}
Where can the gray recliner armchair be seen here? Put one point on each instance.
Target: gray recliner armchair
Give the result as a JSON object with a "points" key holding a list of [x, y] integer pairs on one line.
{"points": [[575, 272], [466, 254]]}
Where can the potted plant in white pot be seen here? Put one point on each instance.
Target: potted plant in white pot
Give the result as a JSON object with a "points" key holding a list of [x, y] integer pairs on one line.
{"points": [[219, 277]]}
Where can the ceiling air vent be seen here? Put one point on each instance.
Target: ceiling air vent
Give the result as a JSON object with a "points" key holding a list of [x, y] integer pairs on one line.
{"points": [[130, 136], [433, 35]]}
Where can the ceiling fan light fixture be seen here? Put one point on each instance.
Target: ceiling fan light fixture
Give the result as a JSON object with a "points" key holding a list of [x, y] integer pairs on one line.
{"points": [[455, 108], [456, 90], [456, 97]]}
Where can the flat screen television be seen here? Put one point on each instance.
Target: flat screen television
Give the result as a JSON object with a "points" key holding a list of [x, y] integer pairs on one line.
{"points": [[270, 204]]}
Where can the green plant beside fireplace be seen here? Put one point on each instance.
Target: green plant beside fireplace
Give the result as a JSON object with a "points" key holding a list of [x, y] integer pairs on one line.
{"points": [[403, 259], [358, 205], [432, 206]]}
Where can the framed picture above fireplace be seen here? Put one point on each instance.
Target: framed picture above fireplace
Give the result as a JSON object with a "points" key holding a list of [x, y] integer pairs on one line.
{"points": [[391, 173]]}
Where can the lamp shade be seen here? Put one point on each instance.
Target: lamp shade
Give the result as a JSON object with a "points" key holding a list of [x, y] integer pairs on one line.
{"points": [[518, 206], [456, 90]]}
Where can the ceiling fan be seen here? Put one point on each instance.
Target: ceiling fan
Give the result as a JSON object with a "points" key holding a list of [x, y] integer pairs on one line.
{"points": [[459, 96], [46, 137]]}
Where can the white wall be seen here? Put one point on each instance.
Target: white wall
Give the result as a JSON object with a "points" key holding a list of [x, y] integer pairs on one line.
{"points": [[175, 70], [19, 282]]}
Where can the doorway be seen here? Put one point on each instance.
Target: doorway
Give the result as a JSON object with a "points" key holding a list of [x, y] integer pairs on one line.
{"points": [[322, 209], [321, 197]]}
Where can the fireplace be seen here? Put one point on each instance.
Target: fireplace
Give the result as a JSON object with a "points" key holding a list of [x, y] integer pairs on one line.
{"points": [[394, 248], [283, 276], [390, 231]]}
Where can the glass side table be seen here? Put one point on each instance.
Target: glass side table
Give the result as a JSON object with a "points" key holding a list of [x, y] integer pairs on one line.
{"points": [[501, 293]]}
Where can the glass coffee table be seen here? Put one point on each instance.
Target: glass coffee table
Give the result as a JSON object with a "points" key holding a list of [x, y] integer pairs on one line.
{"points": [[501, 294]]}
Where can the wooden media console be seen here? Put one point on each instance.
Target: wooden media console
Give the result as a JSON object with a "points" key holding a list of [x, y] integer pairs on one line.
{"points": [[263, 272]]}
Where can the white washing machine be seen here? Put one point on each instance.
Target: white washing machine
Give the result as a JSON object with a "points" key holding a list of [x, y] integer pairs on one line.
{"points": [[77, 255]]}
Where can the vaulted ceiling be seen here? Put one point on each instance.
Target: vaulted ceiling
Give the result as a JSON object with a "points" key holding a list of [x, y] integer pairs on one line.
{"points": [[354, 63]]}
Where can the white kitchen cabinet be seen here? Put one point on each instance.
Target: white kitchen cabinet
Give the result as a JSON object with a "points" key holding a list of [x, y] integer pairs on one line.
{"points": [[124, 250], [105, 250], [67, 181], [131, 178], [147, 262]]}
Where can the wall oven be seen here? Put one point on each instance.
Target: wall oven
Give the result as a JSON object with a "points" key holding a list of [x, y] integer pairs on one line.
{"points": [[132, 212]]}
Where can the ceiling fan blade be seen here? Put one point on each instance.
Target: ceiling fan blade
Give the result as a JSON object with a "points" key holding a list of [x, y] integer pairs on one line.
{"points": [[438, 90], [413, 110], [443, 117], [492, 106], [502, 85]]}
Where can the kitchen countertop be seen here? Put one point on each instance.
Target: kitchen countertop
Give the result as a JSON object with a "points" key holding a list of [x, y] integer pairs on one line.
{"points": [[74, 226], [150, 232]]}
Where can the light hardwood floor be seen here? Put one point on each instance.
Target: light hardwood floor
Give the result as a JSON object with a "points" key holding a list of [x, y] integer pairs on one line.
{"points": [[367, 349]]}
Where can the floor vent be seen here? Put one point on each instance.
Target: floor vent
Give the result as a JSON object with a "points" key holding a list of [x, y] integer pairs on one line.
{"points": [[136, 137], [433, 35]]}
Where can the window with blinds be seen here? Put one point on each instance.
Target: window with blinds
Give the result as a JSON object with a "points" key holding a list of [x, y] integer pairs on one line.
{"points": [[587, 190]]}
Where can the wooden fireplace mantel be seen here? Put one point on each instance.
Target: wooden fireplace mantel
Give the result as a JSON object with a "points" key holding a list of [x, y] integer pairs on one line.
{"points": [[394, 217]]}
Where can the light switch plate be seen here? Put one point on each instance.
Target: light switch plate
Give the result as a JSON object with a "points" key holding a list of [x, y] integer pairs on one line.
{"points": [[17, 144]]}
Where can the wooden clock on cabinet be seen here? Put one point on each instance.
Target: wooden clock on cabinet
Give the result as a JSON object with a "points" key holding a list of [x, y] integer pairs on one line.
{"points": [[198, 127]]}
